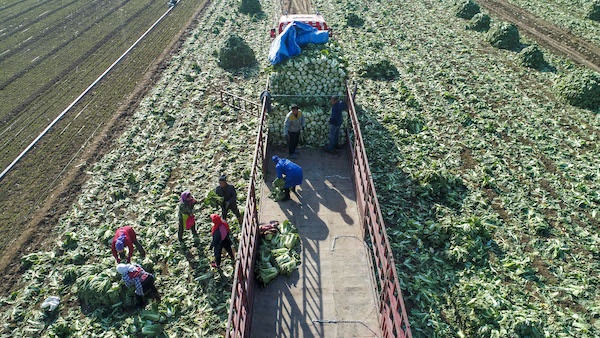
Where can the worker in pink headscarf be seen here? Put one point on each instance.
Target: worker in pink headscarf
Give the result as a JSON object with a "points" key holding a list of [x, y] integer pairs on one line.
{"points": [[186, 214]]}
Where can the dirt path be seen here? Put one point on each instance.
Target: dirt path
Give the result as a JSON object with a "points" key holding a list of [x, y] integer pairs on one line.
{"points": [[546, 34], [38, 230], [296, 6]]}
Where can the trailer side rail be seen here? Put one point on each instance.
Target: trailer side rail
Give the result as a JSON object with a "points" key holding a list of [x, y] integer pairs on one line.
{"points": [[393, 319]]}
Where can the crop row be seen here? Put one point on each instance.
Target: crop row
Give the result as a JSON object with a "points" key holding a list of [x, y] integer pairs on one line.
{"points": [[60, 152], [569, 15]]}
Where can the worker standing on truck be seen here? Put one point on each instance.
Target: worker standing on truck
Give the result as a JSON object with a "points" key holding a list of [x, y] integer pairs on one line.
{"points": [[125, 237], [186, 214], [227, 191], [290, 171], [293, 125], [335, 123], [220, 240]]}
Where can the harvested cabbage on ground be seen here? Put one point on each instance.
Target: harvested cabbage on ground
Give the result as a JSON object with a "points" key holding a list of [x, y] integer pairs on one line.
{"points": [[278, 253]]}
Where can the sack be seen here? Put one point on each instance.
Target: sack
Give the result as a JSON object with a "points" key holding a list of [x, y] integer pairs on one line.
{"points": [[190, 222]]}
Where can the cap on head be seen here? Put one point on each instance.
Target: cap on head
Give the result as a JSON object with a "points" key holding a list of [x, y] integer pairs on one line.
{"points": [[223, 178], [275, 158], [335, 98], [294, 106]]}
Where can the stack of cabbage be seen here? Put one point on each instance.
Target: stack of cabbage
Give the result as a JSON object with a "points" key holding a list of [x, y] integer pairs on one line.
{"points": [[277, 254], [318, 70], [315, 134], [309, 80]]}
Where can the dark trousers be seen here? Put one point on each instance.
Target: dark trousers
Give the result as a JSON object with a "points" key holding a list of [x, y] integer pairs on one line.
{"points": [[220, 245], [180, 230], [233, 207], [293, 141]]}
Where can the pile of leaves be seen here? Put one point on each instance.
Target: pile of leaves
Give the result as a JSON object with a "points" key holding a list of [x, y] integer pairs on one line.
{"points": [[594, 11], [480, 22], [504, 36], [353, 20], [250, 7], [532, 57], [379, 70], [580, 88], [277, 194], [236, 54], [278, 252], [467, 9]]}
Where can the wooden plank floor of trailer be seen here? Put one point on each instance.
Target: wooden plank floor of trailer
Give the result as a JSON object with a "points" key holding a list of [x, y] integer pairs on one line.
{"points": [[332, 293]]}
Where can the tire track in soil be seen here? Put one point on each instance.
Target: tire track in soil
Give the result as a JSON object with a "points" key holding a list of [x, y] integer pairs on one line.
{"points": [[37, 232], [546, 34], [296, 6]]}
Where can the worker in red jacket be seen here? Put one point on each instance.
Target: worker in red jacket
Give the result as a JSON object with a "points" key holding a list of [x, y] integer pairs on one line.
{"points": [[125, 237]]}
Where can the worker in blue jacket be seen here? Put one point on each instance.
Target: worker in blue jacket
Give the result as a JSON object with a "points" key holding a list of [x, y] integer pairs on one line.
{"points": [[290, 171]]}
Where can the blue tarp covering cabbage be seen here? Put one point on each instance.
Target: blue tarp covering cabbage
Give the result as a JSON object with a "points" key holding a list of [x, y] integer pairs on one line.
{"points": [[295, 35]]}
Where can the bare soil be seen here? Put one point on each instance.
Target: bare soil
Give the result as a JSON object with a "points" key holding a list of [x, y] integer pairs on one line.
{"points": [[546, 34], [296, 6]]}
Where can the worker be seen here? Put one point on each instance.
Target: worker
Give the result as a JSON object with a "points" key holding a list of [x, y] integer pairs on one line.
{"points": [[227, 191], [186, 214], [293, 125], [220, 240], [125, 237], [134, 274], [290, 171], [335, 123]]}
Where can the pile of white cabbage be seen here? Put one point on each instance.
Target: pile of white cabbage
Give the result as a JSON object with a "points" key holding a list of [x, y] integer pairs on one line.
{"points": [[318, 70], [309, 80], [316, 133]]}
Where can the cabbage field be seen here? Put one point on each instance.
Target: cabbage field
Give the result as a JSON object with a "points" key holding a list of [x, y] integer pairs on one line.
{"points": [[488, 184]]}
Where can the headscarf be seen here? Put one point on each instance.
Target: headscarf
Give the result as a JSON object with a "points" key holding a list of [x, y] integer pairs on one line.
{"points": [[120, 243], [186, 197], [123, 268], [219, 224]]}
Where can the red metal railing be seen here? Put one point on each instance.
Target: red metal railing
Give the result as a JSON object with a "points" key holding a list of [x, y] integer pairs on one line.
{"points": [[393, 319], [242, 293]]}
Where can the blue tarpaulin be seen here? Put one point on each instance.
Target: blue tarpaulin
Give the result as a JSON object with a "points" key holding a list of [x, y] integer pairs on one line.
{"points": [[295, 35]]}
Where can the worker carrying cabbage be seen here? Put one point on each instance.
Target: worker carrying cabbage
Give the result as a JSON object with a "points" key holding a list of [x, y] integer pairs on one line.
{"points": [[125, 237], [335, 123], [290, 171], [134, 274], [227, 191], [220, 240], [186, 214], [293, 125]]}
